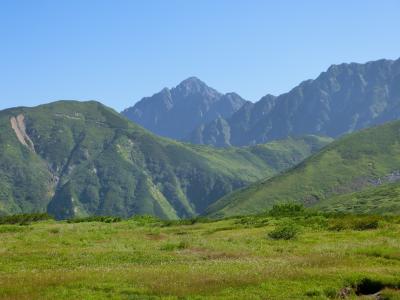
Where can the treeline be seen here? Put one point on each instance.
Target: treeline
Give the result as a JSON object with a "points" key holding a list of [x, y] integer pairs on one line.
{"points": [[104, 219], [24, 219], [290, 211]]}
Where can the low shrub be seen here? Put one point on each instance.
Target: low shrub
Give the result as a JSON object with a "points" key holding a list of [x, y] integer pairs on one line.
{"points": [[167, 223], [349, 222], [314, 222], [12, 228], [366, 223], [103, 219], [24, 219], [284, 232], [190, 221]]}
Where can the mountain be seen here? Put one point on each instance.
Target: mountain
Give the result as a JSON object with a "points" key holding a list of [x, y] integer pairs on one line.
{"points": [[74, 158], [176, 112], [345, 98], [357, 165], [223, 132]]}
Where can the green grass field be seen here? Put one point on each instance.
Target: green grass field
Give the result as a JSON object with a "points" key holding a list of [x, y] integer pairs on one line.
{"points": [[237, 258]]}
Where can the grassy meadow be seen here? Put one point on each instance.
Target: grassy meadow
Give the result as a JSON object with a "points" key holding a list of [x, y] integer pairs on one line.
{"points": [[279, 255]]}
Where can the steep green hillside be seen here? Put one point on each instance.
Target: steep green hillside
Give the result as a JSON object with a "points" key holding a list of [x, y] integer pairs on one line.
{"points": [[383, 199], [74, 159], [356, 162]]}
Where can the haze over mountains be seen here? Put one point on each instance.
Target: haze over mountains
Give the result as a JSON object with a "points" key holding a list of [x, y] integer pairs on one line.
{"points": [[345, 98]]}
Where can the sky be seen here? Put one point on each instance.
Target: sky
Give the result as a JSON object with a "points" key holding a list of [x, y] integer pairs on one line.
{"points": [[119, 51]]}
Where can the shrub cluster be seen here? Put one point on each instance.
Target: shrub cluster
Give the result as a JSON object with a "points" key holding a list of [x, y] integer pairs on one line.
{"points": [[104, 219], [287, 231], [190, 221], [352, 222], [24, 219]]}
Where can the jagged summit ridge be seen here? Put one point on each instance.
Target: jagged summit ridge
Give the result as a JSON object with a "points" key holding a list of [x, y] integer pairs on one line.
{"points": [[343, 99], [178, 111]]}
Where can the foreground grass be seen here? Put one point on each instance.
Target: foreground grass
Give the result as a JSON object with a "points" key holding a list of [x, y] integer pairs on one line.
{"points": [[229, 259]]}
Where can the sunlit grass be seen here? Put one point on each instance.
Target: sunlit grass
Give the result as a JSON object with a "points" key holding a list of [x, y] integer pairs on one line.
{"points": [[229, 259]]}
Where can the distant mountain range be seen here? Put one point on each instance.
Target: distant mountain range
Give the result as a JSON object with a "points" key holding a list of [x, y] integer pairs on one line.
{"points": [[345, 98], [75, 159], [176, 112], [358, 173]]}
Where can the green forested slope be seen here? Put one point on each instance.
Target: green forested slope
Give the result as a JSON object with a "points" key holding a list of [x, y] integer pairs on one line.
{"points": [[383, 199], [363, 160], [81, 158]]}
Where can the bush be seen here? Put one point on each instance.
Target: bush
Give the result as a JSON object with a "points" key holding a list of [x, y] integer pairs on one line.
{"points": [[315, 222], [168, 223], [366, 223], [354, 223], [284, 232], [104, 219], [190, 221], [12, 228], [24, 219]]}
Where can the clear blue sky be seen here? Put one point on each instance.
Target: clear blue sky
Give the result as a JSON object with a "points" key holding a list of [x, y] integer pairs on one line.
{"points": [[119, 51]]}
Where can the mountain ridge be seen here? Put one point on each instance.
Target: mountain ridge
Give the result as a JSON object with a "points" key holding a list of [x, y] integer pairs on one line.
{"points": [[343, 99], [175, 112]]}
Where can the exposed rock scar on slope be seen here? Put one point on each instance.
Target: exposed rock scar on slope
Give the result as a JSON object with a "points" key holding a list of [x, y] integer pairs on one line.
{"points": [[18, 124]]}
